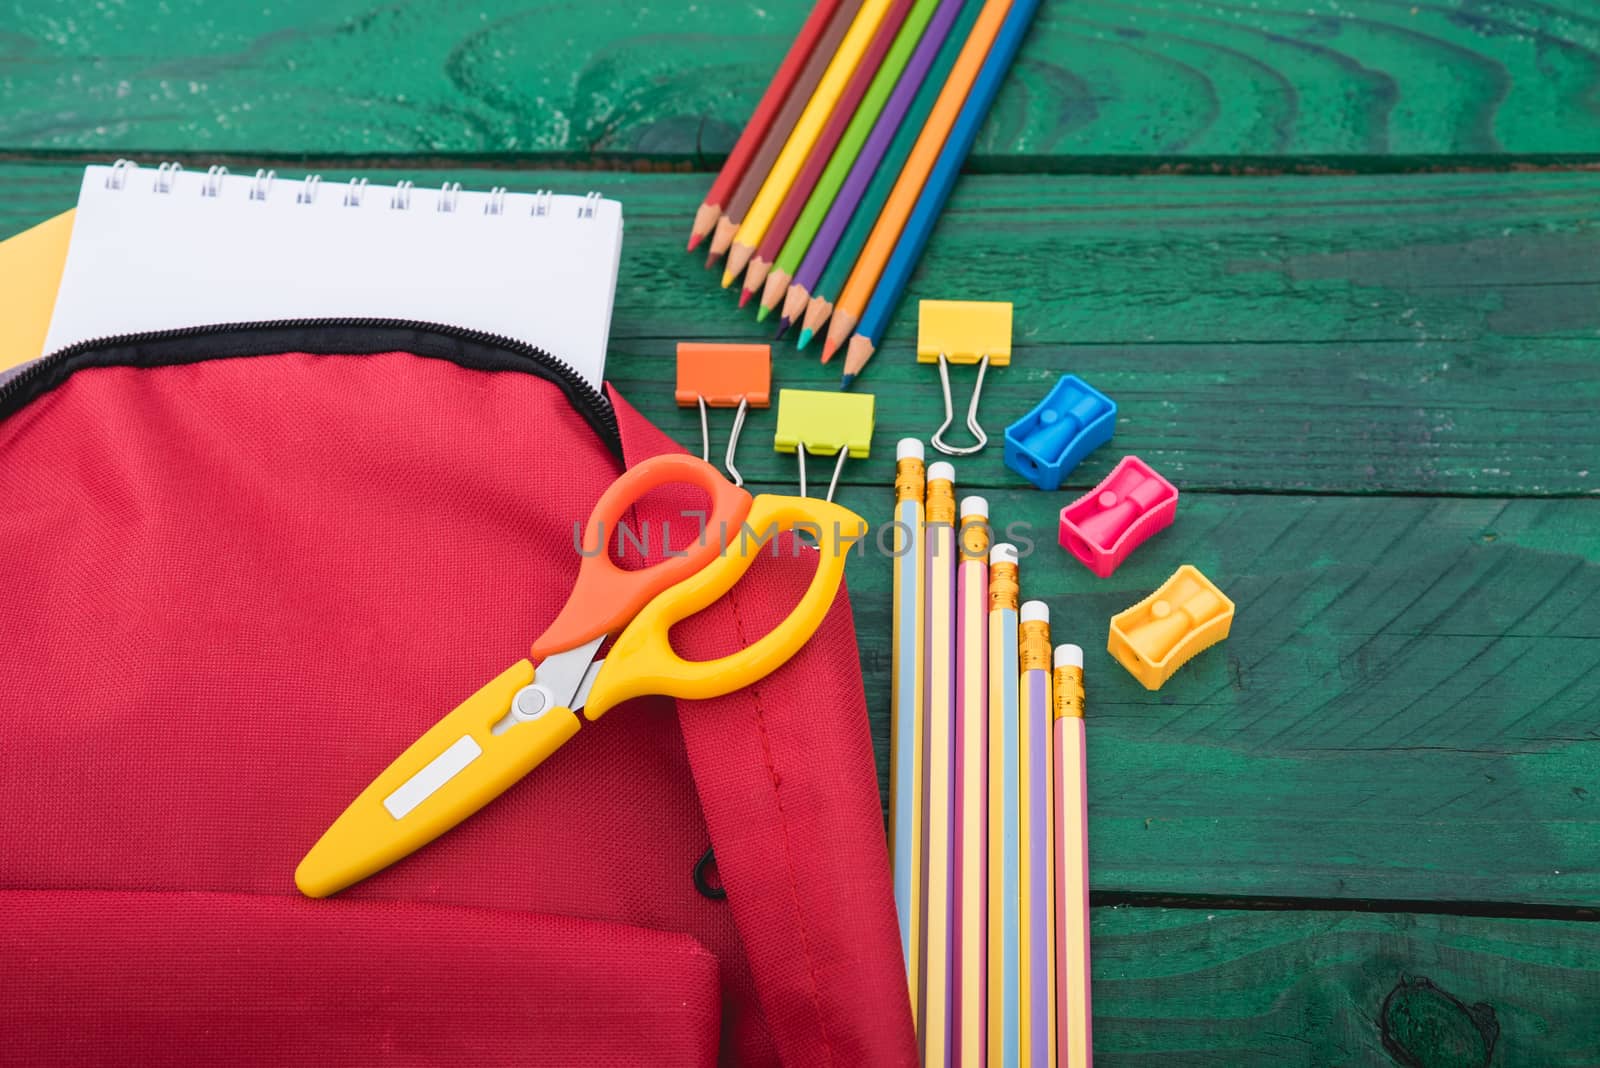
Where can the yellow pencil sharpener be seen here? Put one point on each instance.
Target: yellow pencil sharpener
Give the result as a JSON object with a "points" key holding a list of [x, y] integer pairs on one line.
{"points": [[1186, 615]]}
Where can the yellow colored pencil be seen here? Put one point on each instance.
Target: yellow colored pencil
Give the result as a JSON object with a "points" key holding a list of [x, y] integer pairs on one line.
{"points": [[906, 732], [1003, 800], [1035, 943], [970, 1010], [806, 130], [934, 1016], [1074, 1040]]}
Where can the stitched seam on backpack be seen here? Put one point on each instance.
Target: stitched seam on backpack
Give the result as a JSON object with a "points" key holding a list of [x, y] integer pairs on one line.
{"points": [[788, 851]]}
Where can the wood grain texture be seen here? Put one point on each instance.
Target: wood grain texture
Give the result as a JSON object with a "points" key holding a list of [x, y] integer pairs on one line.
{"points": [[1404, 709], [1098, 80], [1342, 990], [1426, 334]]}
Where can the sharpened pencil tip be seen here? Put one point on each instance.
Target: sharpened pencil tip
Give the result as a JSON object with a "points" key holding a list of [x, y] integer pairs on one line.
{"points": [[783, 328], [694, 241], [711, 260], [806, 334], [727, 279], [845, 380], [829, 347], [744, 297], [762, 313]]}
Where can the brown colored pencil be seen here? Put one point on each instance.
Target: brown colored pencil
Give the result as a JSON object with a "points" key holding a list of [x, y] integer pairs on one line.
{"points": [[745, 193]]}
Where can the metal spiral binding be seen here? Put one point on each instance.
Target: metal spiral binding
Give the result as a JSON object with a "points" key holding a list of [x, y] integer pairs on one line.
{"points": [[166, 176], [213, 183], [262, 183], [119, 173], [166, 181]]}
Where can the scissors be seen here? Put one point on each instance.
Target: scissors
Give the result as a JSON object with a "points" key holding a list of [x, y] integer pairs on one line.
{"points": [[523, 715]]}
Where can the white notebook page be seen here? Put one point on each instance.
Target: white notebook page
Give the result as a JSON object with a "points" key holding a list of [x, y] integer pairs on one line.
{"points": [[151, 251]]}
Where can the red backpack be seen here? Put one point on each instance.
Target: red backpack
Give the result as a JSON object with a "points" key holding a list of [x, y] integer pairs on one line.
{"points": [[245, 567]]}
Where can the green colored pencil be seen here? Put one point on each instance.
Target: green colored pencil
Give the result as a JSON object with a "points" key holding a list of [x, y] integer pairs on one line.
{"points": [[894, 160], [855, 135]]}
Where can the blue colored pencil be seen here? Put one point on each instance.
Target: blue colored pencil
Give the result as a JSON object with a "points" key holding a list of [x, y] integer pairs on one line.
{"points": [[914, 237]]}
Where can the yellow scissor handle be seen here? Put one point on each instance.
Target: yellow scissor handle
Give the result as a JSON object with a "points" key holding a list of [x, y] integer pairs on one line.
{"points": [[642, 660], [446, 775]]}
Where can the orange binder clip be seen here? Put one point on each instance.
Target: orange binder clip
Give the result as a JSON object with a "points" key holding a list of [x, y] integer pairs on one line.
{"points": [[724, 376]]}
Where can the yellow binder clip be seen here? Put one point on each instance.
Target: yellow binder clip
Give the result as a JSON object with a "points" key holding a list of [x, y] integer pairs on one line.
{"points": [[1157, 636], [963, 331], [824, 423]]}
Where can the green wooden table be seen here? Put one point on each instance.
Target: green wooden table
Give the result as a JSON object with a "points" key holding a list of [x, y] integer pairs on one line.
{"points": [[1337, 261]]}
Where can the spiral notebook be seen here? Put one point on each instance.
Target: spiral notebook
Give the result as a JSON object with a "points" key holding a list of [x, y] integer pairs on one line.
{"points": [[155, 248]]}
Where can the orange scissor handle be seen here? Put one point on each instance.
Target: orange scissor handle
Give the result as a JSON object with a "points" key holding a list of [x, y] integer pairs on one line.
{"points": [[642, 660], [606, 596]]}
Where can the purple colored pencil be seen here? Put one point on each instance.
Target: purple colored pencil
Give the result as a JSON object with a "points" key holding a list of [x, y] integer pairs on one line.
{"points": [[877, 144]]}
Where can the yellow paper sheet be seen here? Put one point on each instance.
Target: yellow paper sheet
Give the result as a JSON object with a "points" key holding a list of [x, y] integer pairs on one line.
{"points": [[30, 273]]}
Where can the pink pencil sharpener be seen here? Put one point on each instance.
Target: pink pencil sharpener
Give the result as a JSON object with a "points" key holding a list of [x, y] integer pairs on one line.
{"points": [[1106, 524]]}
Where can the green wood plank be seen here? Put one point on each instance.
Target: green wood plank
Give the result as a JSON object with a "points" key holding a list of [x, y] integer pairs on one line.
{"points": [[1279, 990], [1368, 80], [1425, 334], [1405, 708]]}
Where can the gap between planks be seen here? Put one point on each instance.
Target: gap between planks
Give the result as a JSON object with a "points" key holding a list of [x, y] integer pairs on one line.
{"points": [[1054, 166]]}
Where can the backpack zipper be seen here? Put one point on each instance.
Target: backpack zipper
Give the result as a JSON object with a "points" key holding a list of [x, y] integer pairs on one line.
{"points": [[35, 378]]}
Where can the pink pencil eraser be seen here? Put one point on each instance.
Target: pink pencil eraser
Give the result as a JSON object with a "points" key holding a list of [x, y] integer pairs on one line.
{"points": [[1106, 524]]}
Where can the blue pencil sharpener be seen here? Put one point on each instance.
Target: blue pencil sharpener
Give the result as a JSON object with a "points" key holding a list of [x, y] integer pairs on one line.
{"points": [[1073, 420]]}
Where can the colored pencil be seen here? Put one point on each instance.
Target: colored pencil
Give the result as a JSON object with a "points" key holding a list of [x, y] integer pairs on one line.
{"points": [[753, 227], [744, 193], [892, 282], [905, 762], [1004, 889], [880, 243], [744, 148], [1074, 1039], [1035, 944], [970, 1011], [934, 1015], [828, 261], [808, 201]]}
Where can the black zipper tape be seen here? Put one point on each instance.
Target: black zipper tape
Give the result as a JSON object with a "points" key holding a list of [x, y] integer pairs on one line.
{"points": [[474, 350]]}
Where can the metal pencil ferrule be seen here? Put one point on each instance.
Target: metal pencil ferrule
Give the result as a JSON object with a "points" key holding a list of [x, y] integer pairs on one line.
{"points": [[1069, 692], [909, 480], [1033, 646], [1004, 587]]}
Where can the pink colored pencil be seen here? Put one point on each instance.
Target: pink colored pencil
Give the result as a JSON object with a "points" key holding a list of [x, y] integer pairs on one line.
{"points": [[969, 948], [1074, 1042]]}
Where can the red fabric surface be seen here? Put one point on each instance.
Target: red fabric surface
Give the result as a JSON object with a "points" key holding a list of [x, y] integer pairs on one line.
{"points": [[156, 979], [236, 589]]}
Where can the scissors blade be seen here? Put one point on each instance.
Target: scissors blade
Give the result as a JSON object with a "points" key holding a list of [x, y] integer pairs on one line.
{"points": [[562, 675]]}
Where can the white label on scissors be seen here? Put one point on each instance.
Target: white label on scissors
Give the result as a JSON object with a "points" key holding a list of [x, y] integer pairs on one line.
{"points": [[438, 771]]}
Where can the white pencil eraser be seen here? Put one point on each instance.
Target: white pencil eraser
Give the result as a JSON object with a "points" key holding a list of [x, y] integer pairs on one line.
{"points": [[1034, 612], [1069, 656], [908, 449], [939, 471], [975, 506], [1003, 553]]}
